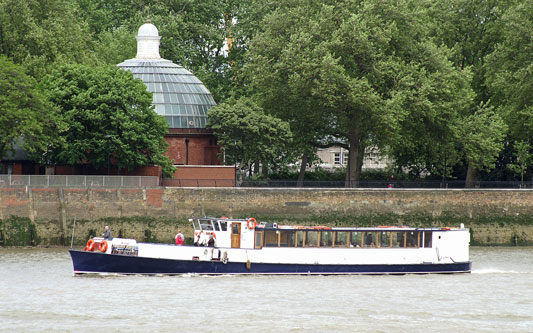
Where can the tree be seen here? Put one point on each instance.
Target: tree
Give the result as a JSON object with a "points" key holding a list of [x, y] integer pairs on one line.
{"points": [[40, 32], [23, 111], [470, 29], [248, 135], [481, 137], [106, 115], [355, 73], [113, 47], [523, 159], [509, 70]]}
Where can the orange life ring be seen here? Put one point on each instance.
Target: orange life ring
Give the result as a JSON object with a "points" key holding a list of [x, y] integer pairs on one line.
{"points": [[251, 226], [103, 246], [90, 245], [214, 235]]}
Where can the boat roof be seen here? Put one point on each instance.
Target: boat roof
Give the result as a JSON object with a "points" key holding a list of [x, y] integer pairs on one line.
{"points": [[275, 226]]}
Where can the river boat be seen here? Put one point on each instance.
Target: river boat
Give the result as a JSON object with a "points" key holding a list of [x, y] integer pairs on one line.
{"points": [[243, 246]]}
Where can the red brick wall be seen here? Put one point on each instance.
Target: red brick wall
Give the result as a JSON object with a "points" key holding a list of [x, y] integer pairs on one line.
{"points": [[17, 168], [202, 176], [200, 150], [154, 170]]}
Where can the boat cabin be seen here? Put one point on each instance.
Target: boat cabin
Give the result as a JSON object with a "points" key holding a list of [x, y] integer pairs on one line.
{"points": [[248, 234]]}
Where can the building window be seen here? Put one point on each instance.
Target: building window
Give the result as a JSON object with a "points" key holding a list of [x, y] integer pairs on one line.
{"points": [[337, 159], [340, 159]]}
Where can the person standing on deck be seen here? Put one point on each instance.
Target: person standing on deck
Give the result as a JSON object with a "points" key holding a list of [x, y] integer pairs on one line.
{"points": [[179, 238], [107, 233]]}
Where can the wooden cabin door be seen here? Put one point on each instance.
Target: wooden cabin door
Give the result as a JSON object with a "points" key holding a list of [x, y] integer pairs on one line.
{"points": [[236, 235]]}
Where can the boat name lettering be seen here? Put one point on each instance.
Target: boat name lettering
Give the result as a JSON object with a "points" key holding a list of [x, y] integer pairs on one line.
{"points": [[129, 250]]}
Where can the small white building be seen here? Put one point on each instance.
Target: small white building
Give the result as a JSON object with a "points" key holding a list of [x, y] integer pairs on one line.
{"points": [[337, 157]]}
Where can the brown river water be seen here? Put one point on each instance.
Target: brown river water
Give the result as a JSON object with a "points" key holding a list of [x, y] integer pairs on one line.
{"points": [[38, 293]]}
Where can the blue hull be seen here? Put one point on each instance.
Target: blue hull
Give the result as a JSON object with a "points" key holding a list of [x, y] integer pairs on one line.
{"points": [[95, 262]]}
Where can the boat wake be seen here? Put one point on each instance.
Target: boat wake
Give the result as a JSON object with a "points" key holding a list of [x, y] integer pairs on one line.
{"points": [[497, 271]]}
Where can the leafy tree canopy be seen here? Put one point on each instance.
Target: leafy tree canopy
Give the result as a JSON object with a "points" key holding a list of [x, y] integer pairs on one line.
{"points": [[105, 113], [24, 117], [40, 32], [509, 70], [364, 72], [247, 134]]}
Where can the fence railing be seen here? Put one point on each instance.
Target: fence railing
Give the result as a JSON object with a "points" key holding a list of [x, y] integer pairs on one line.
{"points": [[198, 182], [452, 184], [153, 181], [78, 181]]}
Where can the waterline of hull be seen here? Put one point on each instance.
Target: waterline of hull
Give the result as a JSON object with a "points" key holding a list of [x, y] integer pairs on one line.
{"points": [[93, 262]]}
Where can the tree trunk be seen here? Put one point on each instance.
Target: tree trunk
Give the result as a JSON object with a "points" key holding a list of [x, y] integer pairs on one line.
{"points": [[360, 158], [471, 175], [256, 168], [264, 169], [355, 159], [301, 175]]}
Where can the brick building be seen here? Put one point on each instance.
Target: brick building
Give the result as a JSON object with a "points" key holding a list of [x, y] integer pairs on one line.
{"points": [[180, 97]]}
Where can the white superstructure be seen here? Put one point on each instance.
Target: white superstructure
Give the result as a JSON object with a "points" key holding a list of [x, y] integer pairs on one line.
{"points": [[236, 246]]}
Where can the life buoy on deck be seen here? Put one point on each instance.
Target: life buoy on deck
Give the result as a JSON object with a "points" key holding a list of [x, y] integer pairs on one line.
{"points": [[90, 245], [103, 246], [251, 225]]}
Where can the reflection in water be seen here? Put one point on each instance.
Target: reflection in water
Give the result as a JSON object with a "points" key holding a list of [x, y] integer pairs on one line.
{"points": [[40, 293]]}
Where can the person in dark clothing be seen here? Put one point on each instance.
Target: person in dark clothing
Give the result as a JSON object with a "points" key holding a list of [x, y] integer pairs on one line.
{"points": [[107, 233], [369, 240], [211, 242]]}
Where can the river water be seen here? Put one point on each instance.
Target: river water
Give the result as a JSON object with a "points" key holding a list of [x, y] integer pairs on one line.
{"points": [[38, 292]]}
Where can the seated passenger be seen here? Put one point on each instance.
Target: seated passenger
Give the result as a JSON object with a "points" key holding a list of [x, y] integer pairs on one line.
{"points": [[368, 241]]}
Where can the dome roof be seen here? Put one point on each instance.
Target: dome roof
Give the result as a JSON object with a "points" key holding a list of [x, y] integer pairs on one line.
{"points": [[148, 30], [177, 93]]}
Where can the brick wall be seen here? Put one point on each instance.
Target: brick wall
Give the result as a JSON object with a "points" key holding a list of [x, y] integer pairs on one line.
{"points": [[202, 176], [495, 217]]}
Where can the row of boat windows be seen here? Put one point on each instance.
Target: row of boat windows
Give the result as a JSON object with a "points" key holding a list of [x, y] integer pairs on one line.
{"points": [[209, 225], [366, 239]]}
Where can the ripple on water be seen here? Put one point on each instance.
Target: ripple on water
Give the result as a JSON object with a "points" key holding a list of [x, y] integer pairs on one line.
{"points": [[40, 293]]}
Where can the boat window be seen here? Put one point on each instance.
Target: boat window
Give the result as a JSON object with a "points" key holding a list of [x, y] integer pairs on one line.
{"points": [[287, 238], [326, 238], [299, 238], [311, 239], [384, 239], [412, 239], [258, 239], [356, 239], [370, 239], [396, 239], [341, 238], [217, 226], [223, 225], [427, 238], [236, 228], [206, 225], [271, 238], [196, 224]]}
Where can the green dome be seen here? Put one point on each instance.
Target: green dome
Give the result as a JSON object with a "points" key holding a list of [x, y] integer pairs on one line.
{"points": [[177, 93]]}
